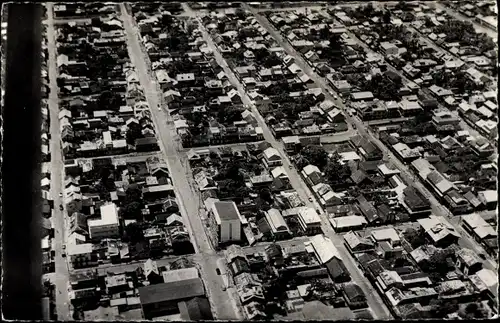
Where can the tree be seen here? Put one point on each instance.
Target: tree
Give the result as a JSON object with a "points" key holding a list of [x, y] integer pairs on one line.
{"points": [[132, 210], [386, 18], [414, 237], [335, 171], [265, 194], [134, 233], [133, 194], [315, 155]]}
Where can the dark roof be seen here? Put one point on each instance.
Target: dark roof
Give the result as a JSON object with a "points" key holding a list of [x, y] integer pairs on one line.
{"points": [[336, 268], [411, 276], [369, 166], [469, 196], [375, 267], [365, 258], [176, 290], [367, 209], [414, 199], [145, 141], [195, 309], [274, 250], [353, 291], [227, 210], [359, 176], [263, 226]]}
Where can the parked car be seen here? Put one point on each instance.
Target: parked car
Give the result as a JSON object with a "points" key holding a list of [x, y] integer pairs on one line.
{"points": [[310, 199]]}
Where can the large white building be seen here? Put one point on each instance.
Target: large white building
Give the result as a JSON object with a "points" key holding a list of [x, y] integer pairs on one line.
{"points": [[226, 221], [107, 226]]}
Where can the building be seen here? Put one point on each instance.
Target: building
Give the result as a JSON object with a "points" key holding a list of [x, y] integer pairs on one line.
{"points": [[180, 274], [439, 231], [81, 255], [312, 174], [309, 220], [271, 157], [107, 226], [356, 244], [478, 228], [162, 299], [468, 261], [488, 198], [354, 296], [348, 223], [323, 248], [278, 227], [226, 221], [195, 309]]}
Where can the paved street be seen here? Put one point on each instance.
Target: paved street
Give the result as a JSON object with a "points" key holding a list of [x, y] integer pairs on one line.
{"points": [[493, 34], [188, 199], [464, 125], [297, 182], [57, 176]]}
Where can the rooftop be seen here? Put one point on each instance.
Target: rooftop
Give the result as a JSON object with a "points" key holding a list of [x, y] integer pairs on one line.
{"points": [[176, 290], [109, 216]]}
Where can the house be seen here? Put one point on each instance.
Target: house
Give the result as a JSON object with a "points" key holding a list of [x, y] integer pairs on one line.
{"points": [[226, 221], [195, 309], [368, 210], [354, 296], [312, 175], [366, 148], [440, 184], [362, 96], [439, 231], [271, 157], [356, 244], [162, 299], [415, 203], [107, 226], [488, 198], [348, 223], [389, 48], [478, 228], [278, 228], [468, 261], [81, 255], [309, 220], [337, 270]]}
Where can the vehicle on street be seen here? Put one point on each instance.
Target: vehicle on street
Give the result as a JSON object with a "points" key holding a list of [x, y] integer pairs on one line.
{"points": [[60, 194], [310, 199], [64, 247], [291, 166], [217, 270], [482, 256], [63, 254], [61, 207]]}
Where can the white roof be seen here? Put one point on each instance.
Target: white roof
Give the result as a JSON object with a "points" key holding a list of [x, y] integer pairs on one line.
{"points": [[437, 227], [109, 216], [276, 220], [323, 247], [79, 249], [278, 172], [488, 196], [180, 274], [348, 221], [488, 277], [309, 169], [385, 234], [309, 215], [270, 152], [349, 155]]}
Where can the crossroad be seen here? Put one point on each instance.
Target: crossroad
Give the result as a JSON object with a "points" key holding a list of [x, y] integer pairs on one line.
{"points": [[188, 199]]}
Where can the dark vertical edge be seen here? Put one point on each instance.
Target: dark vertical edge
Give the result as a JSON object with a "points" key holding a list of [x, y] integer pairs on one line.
{"points": [[21, 167]]}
